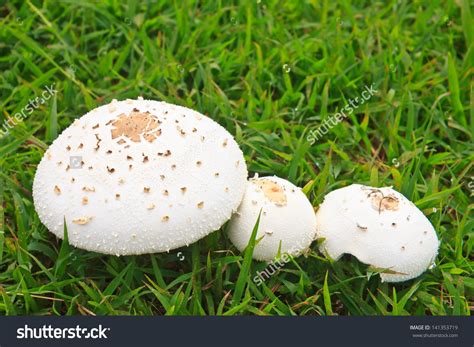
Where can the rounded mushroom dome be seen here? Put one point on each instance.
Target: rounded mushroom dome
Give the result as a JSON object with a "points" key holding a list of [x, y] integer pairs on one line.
{"points": [[139, 176], [380, 227], [287, 219]]}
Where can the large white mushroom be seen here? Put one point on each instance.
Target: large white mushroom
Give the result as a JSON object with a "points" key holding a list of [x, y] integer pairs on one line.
{"points": [[380, 227], [287, 219], [139, 176]]}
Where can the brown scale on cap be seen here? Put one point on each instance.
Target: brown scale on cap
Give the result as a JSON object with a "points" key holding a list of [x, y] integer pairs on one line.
{"points": [[97, 144], [145, 159], [129, 157], [146, 189], [121, 142], [381, 202], [81, 145], [57, 190], [199, 163], [117, 196], [165, 218], [85, 200], [88, 189], [224, 144], [82, 220], [201, 204], [162, 177], [136, 124], [110, 169], [165, 192], [109, 151], [68, 148], [95, 126], [183, 189], [272, 191], [173, 166], [150, 206]]}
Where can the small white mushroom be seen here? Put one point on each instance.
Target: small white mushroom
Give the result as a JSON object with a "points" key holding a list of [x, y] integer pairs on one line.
{"points": [[287, 218], [380, 227], [138, 175]]}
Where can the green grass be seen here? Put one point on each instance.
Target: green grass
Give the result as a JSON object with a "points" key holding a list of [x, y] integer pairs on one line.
{"points": [[268, 71]]}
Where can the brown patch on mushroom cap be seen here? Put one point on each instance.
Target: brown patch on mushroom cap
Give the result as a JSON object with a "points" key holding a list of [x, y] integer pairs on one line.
{"points": [[272, 191], [201, 204], [381, 202], [85, 200], [82, 220], [57, 190], [135, 124]]}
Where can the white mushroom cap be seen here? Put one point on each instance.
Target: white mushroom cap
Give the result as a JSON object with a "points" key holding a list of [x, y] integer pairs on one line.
{"points": [[380, 227], [287, 218], [139, 176]]}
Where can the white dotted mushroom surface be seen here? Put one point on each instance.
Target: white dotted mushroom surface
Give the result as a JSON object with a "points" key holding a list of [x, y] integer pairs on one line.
{"points": [[139, 176], [380, 227]]}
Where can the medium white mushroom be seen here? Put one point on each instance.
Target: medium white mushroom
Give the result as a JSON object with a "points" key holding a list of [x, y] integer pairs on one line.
{"points": [[139, 176], [287, 219], [380, 227]]}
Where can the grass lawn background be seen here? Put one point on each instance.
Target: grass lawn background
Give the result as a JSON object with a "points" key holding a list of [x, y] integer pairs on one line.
{"points": [[268, 71]]}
